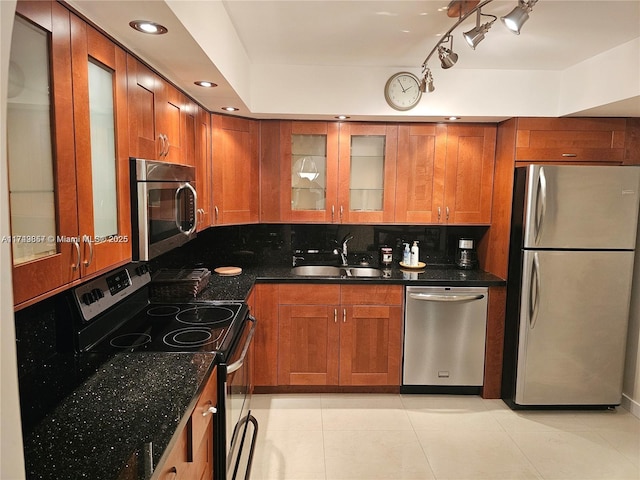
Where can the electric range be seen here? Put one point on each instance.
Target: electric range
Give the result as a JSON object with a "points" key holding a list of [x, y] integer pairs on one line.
{"points": [[113, 313]]}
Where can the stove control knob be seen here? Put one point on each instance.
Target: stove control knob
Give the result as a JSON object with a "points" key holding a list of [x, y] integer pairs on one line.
{"points": [[142, 269], [97, 293], [87, 298]]}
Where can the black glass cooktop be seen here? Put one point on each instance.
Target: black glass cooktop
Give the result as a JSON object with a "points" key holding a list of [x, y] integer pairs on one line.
{"points": [[201, 327]]}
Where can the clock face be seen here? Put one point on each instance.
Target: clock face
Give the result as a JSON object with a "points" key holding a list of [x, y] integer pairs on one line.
{"points": [[402, 91]]}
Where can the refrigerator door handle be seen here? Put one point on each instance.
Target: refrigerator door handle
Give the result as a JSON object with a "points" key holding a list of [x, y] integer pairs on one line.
{"points": [[541, 204], [534, 292]]}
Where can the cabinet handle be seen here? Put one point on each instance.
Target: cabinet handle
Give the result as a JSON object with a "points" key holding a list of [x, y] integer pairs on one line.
{"points": [[161, 137], [168, 144], [88, 262], [569, 155], [215, 209], [341, 211], [333, 212], [439, 214], [174, 472], [447, 210], [335, 315], [209, 411], [344, 315], [76, 265]]}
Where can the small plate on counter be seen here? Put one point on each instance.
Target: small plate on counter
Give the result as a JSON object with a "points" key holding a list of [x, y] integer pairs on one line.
{"points": [[228, 271], [413, 267]]}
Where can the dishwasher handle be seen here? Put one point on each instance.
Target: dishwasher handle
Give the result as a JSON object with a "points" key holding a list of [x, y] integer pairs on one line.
{"points": [[430, 297]]}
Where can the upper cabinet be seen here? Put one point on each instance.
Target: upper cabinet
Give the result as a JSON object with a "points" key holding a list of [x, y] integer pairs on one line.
{"points": [[69, 190], [337, 172], [445, 173], [580, 140], [157, 113], [236, 182]]}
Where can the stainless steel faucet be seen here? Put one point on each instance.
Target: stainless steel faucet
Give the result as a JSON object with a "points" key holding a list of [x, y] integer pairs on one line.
{"points": [[343, 253]]}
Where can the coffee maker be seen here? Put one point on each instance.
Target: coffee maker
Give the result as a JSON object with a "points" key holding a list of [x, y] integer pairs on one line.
{"points": [[466, 255]]}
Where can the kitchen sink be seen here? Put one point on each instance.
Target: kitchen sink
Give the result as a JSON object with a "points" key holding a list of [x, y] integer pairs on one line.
{"points": [[329, 271]]}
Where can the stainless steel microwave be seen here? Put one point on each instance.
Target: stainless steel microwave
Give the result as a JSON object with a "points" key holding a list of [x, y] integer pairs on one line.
{"points": [[163, 207]]}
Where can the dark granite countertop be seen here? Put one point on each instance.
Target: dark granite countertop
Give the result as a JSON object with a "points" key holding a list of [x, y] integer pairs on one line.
{"points": [[125, 412], [238, 287], [103, 429]]}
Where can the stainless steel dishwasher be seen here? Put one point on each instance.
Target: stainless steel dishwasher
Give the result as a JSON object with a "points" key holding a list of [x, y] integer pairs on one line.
{"points": [[444, 339]]}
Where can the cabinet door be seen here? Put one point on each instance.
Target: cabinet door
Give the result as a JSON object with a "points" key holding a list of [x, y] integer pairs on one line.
{"points": [[420, 173], [370, 346], [367, 177], [265, 308], [143, 87], [308, 345], [189, 129], [42, 181], [203, 168], [170, 114], [309, 171], [102, 161], [235, 170], [468, 185], [579, 140]]}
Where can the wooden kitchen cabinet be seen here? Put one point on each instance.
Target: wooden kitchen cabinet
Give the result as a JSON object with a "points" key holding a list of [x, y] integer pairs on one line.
{"points": [[337, 172], [445, 174], [191, 456], [236, 182], [203, 168], [263, 303], [580, 140], [156, 115], [69, 189], [339, 335]]}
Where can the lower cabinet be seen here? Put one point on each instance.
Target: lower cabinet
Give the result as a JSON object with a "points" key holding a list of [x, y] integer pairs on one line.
{"points": [[347, 335], [191, 457]]}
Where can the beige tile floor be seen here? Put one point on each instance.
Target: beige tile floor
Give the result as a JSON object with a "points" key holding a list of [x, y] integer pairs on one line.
{"points": [[353, 436]]}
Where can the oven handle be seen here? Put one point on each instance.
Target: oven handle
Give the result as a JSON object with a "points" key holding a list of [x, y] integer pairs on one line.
{"points": [[238, 363], [445, 298]]}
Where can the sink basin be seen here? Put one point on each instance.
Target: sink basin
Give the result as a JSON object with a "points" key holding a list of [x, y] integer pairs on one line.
{"points": [[329, 271], [364, 272], [316, 271]]}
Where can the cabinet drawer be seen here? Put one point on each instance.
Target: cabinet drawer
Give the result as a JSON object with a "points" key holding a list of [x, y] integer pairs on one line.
{"points": [[201, 416], [176, 465], [371, 295], [297, 294]]}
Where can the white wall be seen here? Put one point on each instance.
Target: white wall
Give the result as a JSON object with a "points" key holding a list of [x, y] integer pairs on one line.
{"points": [[11, 457], [631, 387]]}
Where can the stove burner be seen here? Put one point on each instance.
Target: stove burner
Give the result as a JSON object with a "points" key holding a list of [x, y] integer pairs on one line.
{"points": [[191, 337], [163, 311], [205, 315], [130, 340]]}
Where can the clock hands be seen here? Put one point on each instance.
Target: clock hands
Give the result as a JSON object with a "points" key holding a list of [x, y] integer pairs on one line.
{"points": [[404, 90]]}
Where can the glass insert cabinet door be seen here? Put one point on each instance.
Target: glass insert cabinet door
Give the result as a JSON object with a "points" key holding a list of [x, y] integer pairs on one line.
{"points": [[367, 172], [309, 171]]}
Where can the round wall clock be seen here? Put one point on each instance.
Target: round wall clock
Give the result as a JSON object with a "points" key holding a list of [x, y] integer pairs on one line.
{"points": [[402, 91]]}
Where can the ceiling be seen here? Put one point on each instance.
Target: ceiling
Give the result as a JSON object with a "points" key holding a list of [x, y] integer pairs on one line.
{"points": [[316, 59]]}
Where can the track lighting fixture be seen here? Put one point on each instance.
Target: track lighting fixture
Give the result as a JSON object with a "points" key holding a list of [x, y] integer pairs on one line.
{"points": [[476, 34], [464, 9], [516, 18]]}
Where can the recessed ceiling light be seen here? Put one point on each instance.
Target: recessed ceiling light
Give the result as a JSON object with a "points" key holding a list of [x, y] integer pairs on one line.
{"points": [[204, 83], [452, 118], [230, 109], [342, 117], [145, 26]]}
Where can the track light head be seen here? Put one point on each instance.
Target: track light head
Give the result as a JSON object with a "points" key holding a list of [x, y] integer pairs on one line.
{"points": [[518, 16], [448, 57], [476, 34]]}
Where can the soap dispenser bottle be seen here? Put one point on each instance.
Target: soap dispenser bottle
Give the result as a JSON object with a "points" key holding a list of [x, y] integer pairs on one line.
{"points": [[406, 255], [415, 254]]}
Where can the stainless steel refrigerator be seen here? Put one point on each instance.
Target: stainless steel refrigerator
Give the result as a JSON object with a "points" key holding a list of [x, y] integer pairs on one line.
{"points": [[571, 257]]}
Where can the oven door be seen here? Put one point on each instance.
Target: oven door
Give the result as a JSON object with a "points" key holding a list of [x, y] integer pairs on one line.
{"points": [[241, 427], [166, 216]]}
